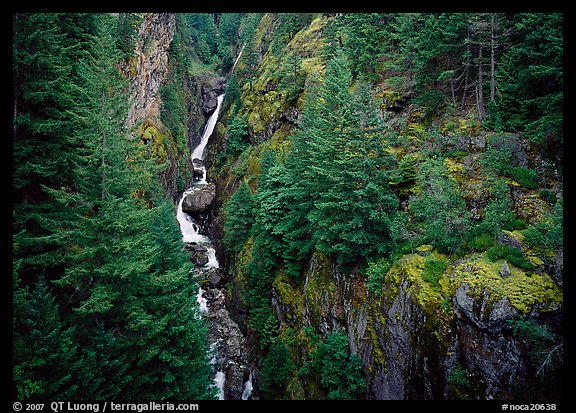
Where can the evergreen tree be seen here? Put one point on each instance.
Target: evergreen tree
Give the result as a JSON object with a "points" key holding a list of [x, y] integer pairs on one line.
{"points": [[341, 373], [440, 208], [276, 370], [123, 268], [46, 357], [292, 79], [349, 171], [239, 218]]}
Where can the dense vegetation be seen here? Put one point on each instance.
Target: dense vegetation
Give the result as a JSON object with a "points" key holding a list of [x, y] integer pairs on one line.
{"points": [[98, 265], [357, 138], [403, 120]]}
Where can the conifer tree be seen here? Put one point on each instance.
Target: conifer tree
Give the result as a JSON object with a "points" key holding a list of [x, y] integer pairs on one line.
{"points": [[239, 218], [124, 271]]}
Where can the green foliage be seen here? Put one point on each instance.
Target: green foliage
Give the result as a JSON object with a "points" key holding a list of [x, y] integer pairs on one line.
{"points": [[341, 373], [292, 78], [376, 272], [482, 242], [508, 253], [433, 270], [549, 233], [238, 139], [546, 348], [531, 76], [406, 171], [440, 209], [345, 169], [202, 35], [548, 196], [498, 214], [459, 377], [126, 33], [524, 176], [277, 368], [239, 218], [112, 250], [233, 94], [45, 355]]}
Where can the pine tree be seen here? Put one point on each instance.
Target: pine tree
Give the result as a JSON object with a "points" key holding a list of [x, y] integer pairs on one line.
{"points": [[276, 370], [352, 205]]}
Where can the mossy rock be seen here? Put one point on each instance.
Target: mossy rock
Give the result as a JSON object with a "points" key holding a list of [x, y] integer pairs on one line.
{"points": [[425, 249], [526, 293], [411, 267], [289, 298], [321, 294], [455, 168]]}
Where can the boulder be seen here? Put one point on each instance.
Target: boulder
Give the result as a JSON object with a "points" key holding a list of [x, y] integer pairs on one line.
{"points": [[210, 92], [199, 199], [197, 168], [210, 103], [504, 270], [199, 254], [484, 314]]}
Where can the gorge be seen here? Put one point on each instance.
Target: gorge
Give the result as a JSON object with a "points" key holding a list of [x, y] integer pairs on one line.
{"points": [[272, 206]]}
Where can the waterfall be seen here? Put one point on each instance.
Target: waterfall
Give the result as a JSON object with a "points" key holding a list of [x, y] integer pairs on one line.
{"points": [[198, 152], [190, 231], [237, 58], [247, 389]]}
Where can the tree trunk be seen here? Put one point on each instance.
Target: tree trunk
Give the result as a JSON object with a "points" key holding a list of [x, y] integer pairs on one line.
{"points": [[492, 57], [479, 86], [464, 93]]}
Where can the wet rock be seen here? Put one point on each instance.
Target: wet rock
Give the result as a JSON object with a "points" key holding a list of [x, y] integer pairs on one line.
{"points": [[230, 344], [199, 200], [197, 168], [211, 89], [198, 253], [214, 279]]}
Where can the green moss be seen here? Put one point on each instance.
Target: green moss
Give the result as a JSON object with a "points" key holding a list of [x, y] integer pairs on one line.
{"points": [[240, 277], [158, 142], [525, 293], [290, 297], [321, 290], [455, 168], [425, 249]]}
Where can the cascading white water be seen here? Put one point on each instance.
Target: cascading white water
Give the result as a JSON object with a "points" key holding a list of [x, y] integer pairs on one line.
{"points": [[219, 381], [237, 58], [247, 388], [190, 231], [198, 152]]}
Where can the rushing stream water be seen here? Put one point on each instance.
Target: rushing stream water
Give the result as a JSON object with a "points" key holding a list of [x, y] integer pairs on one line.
{"points": [[191, 234]]}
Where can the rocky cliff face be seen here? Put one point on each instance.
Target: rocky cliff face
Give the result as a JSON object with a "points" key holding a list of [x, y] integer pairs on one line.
{"points": [[149, 67], [414, 338], [152, 69], [462, 337]]}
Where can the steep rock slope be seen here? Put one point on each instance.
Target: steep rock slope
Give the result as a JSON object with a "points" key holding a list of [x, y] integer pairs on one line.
{"points": [[483, 327]]}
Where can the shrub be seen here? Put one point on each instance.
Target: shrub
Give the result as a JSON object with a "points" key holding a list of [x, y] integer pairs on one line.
{"points": [[548, 196], [341, 373], [524, 176], [276, 370], [375, 273], [459, 377], [511, 254], [482, 242], [433, 270]]}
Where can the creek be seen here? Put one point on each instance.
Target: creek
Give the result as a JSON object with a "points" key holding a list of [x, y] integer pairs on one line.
{"points": [[227, 347]]}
